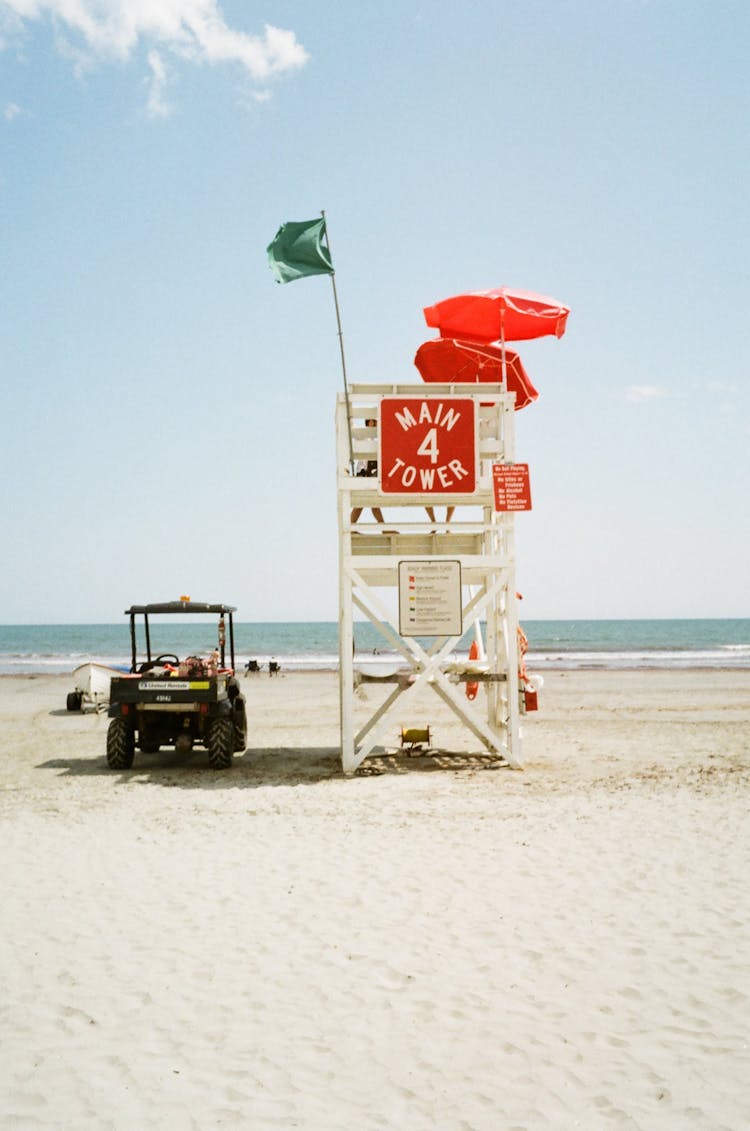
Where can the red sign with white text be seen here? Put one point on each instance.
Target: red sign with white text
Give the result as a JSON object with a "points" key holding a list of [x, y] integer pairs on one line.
{"points": [[428, 446], [511, 486]]}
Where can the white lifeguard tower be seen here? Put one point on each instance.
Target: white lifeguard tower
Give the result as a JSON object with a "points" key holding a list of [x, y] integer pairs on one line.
{"points": [[436, 446]]}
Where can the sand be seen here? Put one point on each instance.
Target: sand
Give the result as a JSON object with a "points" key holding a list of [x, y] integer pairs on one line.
{"points": [[433, 944]]}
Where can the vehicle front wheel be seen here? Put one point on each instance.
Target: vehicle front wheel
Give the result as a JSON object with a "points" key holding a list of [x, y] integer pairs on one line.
{"points": [[74, 702], [220, 743], [120, 745]]}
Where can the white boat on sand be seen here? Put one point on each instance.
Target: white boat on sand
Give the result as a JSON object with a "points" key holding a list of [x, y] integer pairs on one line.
{"points": [[92, 684]]}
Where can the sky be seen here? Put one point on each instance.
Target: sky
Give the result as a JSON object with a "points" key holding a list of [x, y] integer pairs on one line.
{"points": [[167, 420]]}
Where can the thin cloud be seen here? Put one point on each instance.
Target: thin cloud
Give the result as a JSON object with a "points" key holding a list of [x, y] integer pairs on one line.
{"points": [[191, 30], [11, 111], [643, 392], [157, 106]]}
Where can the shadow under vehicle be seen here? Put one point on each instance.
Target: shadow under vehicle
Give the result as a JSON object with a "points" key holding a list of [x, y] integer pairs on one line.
{"points": [[165, 701]]}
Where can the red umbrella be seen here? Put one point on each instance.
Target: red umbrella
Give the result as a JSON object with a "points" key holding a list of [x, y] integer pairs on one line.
{"points": [[500, 315], [447, 359]]}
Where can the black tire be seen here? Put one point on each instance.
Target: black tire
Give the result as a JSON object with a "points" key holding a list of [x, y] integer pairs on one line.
{"points": [[120, 745], [239, 719], [220, 743], [74, 702], [149, 745]]}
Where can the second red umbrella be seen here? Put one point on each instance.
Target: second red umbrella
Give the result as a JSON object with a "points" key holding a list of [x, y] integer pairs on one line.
{"points": [[448, 359]]}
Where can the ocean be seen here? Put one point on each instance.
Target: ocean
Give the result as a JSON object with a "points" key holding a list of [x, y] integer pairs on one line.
{"points": [[553, 644]]}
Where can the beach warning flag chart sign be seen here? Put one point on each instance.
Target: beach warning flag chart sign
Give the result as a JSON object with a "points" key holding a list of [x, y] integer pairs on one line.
{"points": [[430, 598], [428, 446], [511, 486]]}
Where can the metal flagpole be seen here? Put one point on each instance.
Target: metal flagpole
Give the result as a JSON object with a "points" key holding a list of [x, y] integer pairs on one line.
{"points": [[341, 345]]}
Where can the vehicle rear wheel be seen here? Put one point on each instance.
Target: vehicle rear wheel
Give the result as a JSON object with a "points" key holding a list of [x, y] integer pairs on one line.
{"points": [[120, 745], [74, 702], [149, 745], [239, 719], [220, 743]]}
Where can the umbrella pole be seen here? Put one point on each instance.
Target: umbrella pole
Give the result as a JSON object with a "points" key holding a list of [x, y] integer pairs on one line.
{"points": [[341, 348], [502, 347]]}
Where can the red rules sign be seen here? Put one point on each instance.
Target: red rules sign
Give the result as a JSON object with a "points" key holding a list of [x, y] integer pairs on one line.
{"points": [[511, 486], [428, 446]]}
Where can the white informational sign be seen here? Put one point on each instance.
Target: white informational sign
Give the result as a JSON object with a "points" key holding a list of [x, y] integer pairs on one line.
{"points": [[429, 598], [173, 685]]}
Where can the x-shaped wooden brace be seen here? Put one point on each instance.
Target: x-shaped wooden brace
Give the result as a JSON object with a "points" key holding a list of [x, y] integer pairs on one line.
{"points": [[427, 666]]}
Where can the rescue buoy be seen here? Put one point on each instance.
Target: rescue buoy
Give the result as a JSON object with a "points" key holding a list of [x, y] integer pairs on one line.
{"points": [[523, 647], [473, 688]]}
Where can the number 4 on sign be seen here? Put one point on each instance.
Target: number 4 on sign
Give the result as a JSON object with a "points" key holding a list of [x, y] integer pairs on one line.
{"points": [[429, 446]]}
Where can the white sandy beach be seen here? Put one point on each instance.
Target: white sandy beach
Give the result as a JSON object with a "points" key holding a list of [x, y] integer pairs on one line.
{"points": [[431, 945]]}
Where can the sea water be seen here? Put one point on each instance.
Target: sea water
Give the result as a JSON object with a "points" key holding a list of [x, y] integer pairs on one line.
{"points": [[553, 644]]}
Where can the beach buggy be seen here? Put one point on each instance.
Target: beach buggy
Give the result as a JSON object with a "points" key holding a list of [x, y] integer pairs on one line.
{"points": [[166, 701]]}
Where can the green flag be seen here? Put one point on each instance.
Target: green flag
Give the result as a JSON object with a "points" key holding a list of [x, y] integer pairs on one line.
{"points": [[298, 250]]}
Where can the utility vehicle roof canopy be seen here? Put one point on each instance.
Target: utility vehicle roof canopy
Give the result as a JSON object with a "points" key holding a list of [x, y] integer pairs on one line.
{"points": [[180, 607]]}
